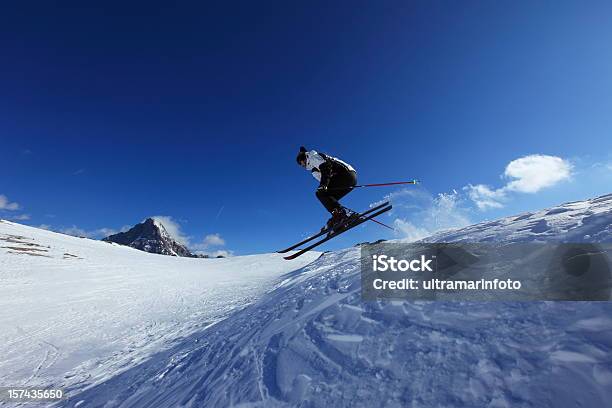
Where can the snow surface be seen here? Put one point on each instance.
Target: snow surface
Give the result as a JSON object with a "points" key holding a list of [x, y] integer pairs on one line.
{"points": [[578, 221], [312, 342], [76, 312]]}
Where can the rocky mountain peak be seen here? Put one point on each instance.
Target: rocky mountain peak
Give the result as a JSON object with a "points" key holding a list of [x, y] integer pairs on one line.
{"points": [[150, 236]]}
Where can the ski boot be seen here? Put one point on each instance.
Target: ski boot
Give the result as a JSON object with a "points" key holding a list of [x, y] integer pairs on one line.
{"points": [[350, 216], [341, 217], [333, 220]]}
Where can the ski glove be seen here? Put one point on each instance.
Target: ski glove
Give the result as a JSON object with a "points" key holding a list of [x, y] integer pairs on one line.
{"points": [[326, 173]]}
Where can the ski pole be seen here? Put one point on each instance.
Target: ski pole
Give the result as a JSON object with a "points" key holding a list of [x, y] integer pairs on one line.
{"points": [[377, 184], [382, 223], [387, 184]]}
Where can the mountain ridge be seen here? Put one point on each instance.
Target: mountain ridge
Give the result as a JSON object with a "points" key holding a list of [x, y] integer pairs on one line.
{"points": [[151, 236]]}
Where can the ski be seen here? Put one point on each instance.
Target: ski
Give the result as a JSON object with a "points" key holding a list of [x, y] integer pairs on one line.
{"points": [[346, 228], [325, 230]]}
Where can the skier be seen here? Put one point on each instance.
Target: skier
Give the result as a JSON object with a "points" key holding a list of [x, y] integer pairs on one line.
{"points": [[336, 179]]}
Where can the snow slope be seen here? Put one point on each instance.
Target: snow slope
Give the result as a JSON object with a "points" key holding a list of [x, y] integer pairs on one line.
{"points": [[76, 312], [578, 221], [313, 343]]}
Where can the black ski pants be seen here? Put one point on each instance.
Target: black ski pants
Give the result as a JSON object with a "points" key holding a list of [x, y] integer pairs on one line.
{"points": [[340, 184]]}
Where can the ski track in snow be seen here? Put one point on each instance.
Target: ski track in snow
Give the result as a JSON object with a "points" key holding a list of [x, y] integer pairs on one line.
{"points": [[312, 342]]}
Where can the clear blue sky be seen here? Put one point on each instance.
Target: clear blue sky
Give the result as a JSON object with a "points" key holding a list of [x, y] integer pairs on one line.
{"points": [[196, 111]]}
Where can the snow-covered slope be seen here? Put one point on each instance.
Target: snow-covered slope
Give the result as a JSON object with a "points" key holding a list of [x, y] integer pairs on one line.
{"points": [[313, 343], [578, 221], [75, 312]]}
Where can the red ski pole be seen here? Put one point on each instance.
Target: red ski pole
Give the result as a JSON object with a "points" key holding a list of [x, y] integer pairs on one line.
{"points": [[395, 183], [382, 223], [387, 184]]}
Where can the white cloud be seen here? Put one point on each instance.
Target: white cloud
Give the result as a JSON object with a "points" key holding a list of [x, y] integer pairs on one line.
{"points": [[202, 248], [75, 231], [20, 217], [173, 228], [104, 232], [484, 197], [5, 204], [213, 240], [223, 252], [79, 232], [528, 174], [209, 242], [220, 252], [535, 172]]}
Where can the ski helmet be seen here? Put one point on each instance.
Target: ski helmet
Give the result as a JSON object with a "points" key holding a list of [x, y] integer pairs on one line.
{"points": [[301, 157]]}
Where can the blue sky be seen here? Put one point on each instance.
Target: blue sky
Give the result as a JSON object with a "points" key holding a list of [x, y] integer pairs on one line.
{"points": [[196, 112]]}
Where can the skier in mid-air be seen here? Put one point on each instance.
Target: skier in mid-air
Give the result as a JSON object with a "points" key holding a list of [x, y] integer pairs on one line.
{"points": [[336, 179]]}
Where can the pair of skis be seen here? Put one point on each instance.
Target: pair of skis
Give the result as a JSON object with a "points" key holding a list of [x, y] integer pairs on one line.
{"points": [[361, 218]]}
